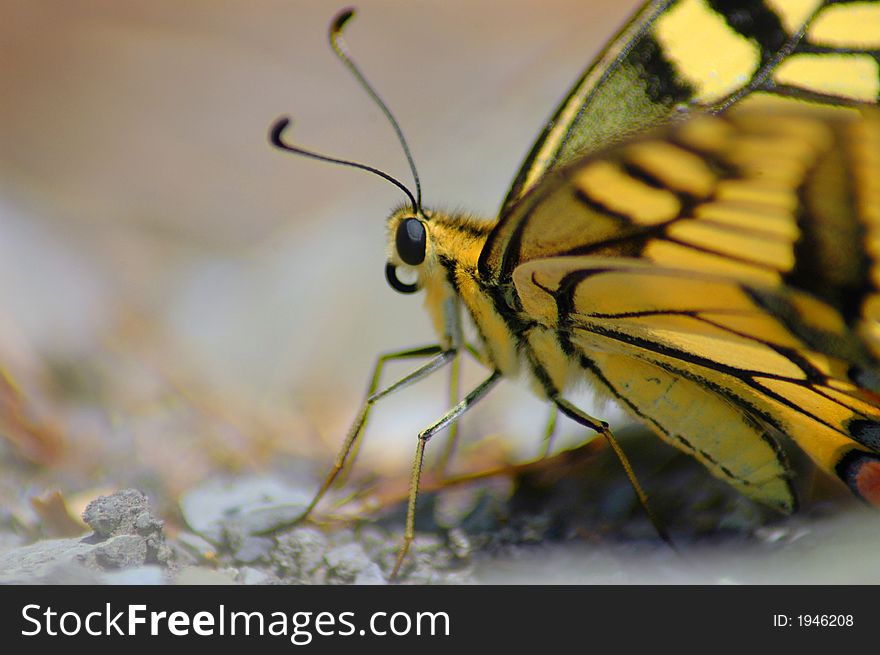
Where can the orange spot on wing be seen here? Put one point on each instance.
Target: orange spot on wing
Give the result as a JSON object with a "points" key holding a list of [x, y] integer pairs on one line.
{"points": [[868, 482]]}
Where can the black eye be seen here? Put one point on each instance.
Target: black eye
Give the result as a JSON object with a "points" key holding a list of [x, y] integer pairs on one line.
{"points": [[410, 241]]}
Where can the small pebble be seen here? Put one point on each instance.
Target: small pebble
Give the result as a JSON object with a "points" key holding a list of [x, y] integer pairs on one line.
{"points": [[196, 545], [371, 575], [346, 562], [118, 513], [251, 576], [300, 552], [254, 549]]}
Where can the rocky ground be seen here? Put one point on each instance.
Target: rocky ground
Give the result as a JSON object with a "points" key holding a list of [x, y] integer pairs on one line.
{"points": [[553, 522]]}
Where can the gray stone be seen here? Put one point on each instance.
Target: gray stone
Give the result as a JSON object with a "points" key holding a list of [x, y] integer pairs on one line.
{"points": [[344, 563], [246, 506], [69, 572], [300, 552], [252, 576], [49, 560], [262, 519], [35, 561], [126, 535], [125, 512], [254, 549], [194, 545], [371, 575], [122, 552]]}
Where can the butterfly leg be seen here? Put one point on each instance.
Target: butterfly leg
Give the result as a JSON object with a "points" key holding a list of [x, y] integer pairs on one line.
{"points": [[454, 387], [424, 436], [439, 358], [579, 416], [452, 438]]}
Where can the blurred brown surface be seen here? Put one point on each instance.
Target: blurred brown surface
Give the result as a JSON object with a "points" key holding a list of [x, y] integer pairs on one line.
{"points": [[179, 298]]}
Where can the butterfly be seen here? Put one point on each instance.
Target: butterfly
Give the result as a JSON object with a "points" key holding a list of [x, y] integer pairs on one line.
{"points": [[695, 233]]}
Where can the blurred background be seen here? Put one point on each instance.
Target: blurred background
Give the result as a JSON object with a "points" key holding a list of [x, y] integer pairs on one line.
{"points": [[179, 299]]}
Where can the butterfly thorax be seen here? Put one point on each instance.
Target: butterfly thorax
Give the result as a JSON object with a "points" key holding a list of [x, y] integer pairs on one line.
{"points": [[449, 277]]}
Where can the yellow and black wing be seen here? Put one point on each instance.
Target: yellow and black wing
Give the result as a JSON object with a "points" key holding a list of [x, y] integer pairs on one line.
{"points": [[721, 279], [678, 55]]}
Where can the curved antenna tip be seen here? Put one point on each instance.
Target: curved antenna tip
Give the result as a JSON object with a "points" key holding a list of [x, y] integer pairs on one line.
{"points": [[336, 43], [276, 130], [339, 22], [283, 122]]}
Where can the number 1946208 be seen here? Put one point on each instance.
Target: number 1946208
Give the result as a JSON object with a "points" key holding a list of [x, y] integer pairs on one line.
{"points": [[813, 620]]}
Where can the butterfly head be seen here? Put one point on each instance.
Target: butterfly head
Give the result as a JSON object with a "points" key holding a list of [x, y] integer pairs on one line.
{"points": [[437, 253], [434, 250], [410, 254]]}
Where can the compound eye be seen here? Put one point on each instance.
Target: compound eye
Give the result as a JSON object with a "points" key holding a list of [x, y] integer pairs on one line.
{"points": [[410, 241]]}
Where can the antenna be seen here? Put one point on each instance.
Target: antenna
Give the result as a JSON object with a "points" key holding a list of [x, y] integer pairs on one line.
{"points": [[338, 45], [275, 138], [284, 122]]}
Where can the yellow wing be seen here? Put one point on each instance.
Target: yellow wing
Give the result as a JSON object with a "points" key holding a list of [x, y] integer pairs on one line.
{"points": [[707, 55], [720, 279]]}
